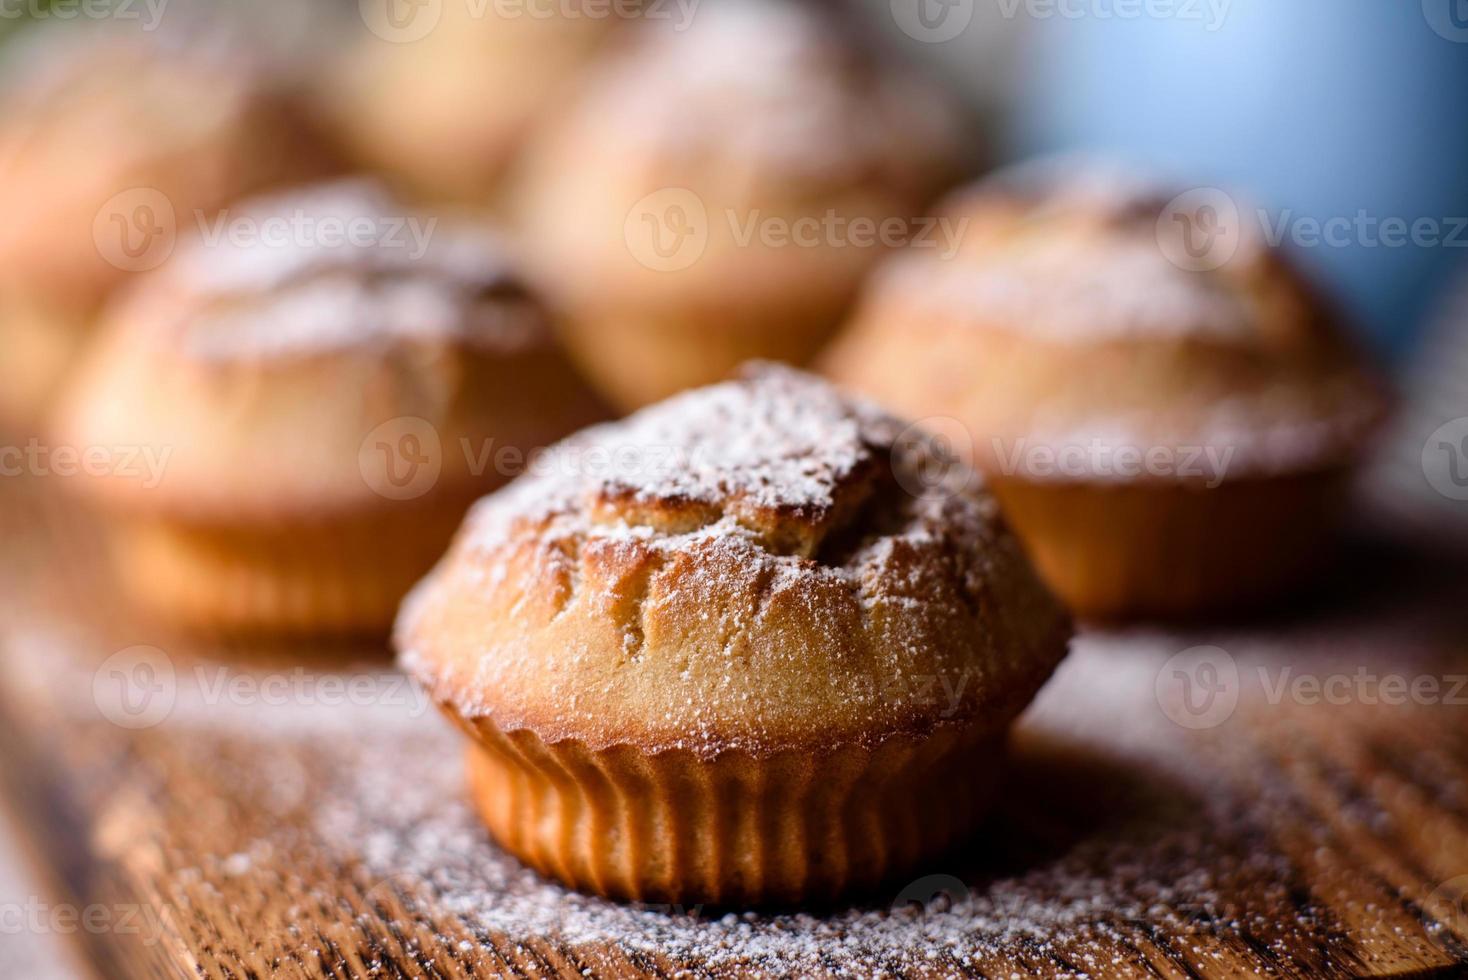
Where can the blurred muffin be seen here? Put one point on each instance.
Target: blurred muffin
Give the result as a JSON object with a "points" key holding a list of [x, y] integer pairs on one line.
{"points": [[1168, 421], [739, 663], [441, 100], [112, 138], [718, 192], [324, 398]]}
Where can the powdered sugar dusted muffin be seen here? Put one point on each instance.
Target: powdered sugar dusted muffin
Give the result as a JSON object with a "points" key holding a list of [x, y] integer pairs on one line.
{"points": [[1167, 436], [327, 394], [718, 191], [112, 139], [717, 653]]}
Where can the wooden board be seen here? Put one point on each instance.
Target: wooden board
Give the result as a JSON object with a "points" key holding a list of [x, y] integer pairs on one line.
{"points": [[253, 815]]}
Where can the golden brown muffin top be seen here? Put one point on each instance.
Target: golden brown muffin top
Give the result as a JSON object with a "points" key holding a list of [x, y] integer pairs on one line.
{"points": [[752, 114], [268, 351], [740, 567], [1063, 320]]}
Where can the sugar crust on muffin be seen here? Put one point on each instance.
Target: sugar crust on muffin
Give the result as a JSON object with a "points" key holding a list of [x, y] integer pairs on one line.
{"points": [[263, 364], [738, 568], [1061, 322]]}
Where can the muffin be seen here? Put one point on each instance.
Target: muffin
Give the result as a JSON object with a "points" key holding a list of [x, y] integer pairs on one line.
{"points": [[443, 100], [318, 403], [1169, 432], [111, 140], [719, 654], [718, 192]]}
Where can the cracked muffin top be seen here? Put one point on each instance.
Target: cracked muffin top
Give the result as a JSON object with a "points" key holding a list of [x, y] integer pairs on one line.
{"points": [[761, 565]]}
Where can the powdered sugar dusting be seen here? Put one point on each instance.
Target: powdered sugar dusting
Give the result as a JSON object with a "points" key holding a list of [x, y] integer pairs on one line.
{"points": [[344, 263], [780, 439], [1171, 849], [760, 559], [1067, 247], [766, 88], [1074, 288]]}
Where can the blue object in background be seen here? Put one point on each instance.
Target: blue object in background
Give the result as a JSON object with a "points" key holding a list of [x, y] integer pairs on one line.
{"points": [[1322, 107]]}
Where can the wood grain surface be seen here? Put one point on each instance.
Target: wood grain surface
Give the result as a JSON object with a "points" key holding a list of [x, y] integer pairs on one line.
{"points": [[251, 816]]}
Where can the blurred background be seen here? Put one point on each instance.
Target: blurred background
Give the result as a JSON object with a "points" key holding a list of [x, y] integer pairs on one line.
{"points": [[1318, 109]]}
